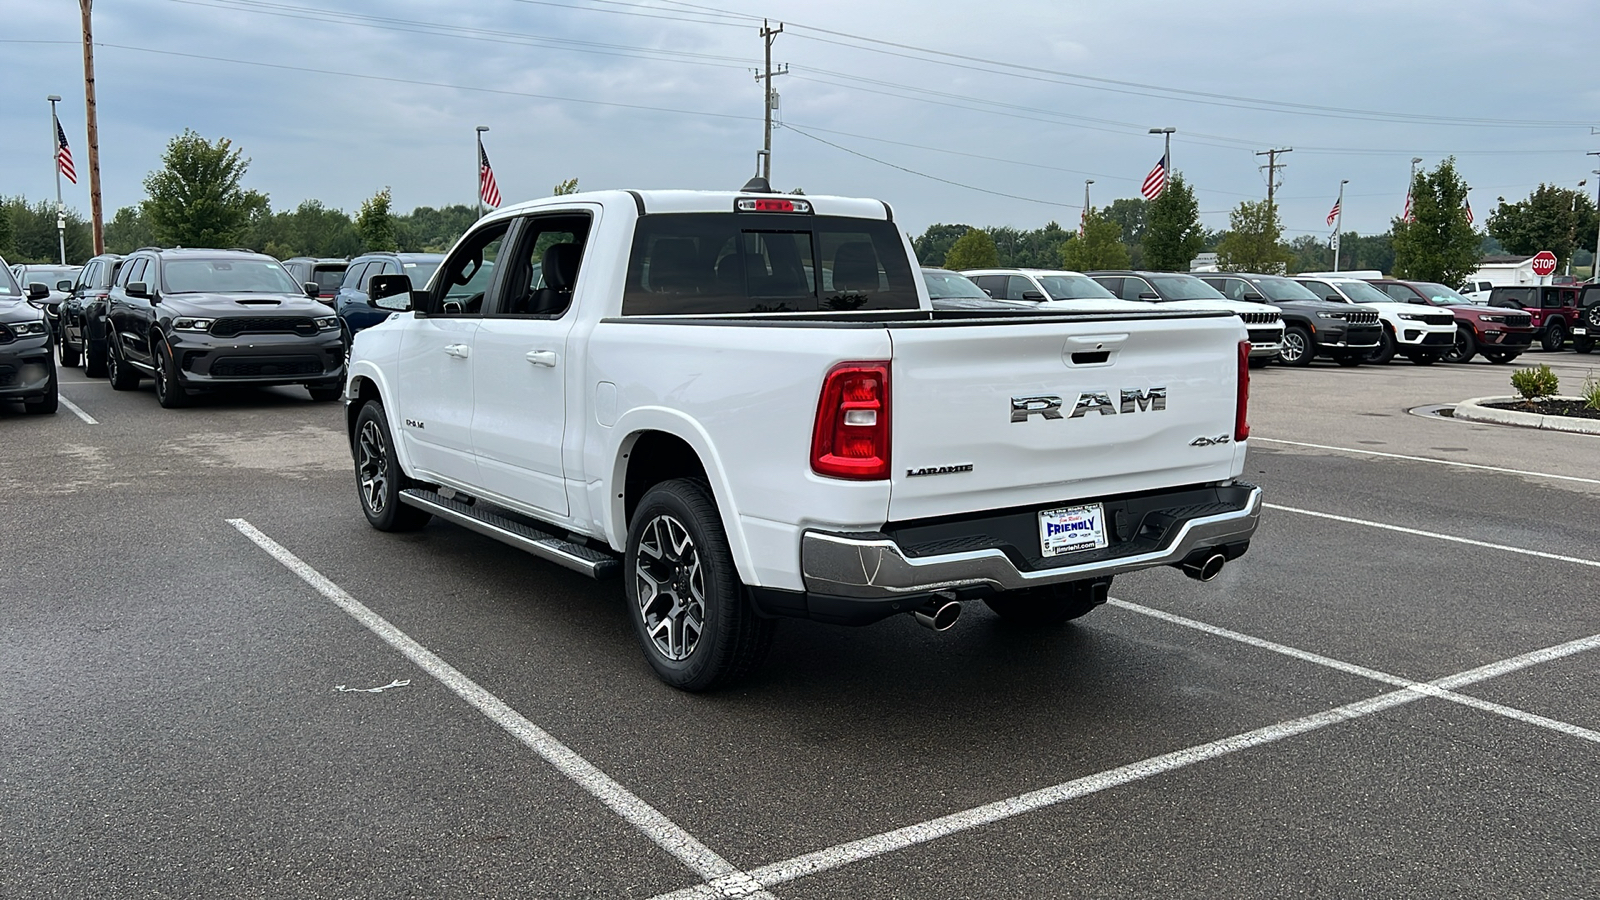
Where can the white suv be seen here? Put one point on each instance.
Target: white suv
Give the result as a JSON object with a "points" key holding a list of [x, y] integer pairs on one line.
{"points": [[1415, 332], [1180, 290], [1050, 288]]}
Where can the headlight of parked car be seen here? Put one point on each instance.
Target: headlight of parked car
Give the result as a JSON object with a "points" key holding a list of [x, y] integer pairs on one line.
{"points": [[188, 324], [27, 329], [1489, 318], [328, 323], [1330, 315], [1412, 317]]}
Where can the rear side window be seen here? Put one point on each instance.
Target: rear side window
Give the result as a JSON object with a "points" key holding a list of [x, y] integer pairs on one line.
{"points": [[1512, 298], [710, 263]]}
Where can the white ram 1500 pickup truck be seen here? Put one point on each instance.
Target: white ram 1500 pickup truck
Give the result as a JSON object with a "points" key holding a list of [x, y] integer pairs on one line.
{"points": [[746, 406]]}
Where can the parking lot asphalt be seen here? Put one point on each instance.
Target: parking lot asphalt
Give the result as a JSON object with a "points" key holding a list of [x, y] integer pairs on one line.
{"points": [[1389, 696]]}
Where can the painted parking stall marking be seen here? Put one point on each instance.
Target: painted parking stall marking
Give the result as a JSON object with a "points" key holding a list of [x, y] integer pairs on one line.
{"points": [[77, 411], [1427, 459], [1366, 523], [699, 858]]}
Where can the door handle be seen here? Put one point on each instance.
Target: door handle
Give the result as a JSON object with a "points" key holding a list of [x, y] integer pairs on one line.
{"points": [[546, 358], [459, 351]]}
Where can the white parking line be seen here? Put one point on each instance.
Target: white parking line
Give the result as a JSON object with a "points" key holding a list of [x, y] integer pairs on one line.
{"points": [[1435, 535], [76, 411], [1432, 690], [902, 838], [699, 858], [1428, 459]]}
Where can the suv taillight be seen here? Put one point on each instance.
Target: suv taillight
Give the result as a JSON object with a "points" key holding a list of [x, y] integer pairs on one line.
{"points": [[851, 436], [1241, 400]]}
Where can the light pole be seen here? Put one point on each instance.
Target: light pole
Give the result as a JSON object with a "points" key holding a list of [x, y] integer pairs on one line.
{"points": [[55, 157], [1574, 226], [1083, 220], [1407, 216], [477, 167], [1166, 150], [1338, 222], [1594, 267]]}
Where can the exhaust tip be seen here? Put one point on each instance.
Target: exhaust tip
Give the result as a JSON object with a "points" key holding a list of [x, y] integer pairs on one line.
{"points": [[1205, 569], [939, 615]]}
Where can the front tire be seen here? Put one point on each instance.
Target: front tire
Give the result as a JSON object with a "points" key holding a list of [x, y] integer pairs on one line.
{"points": [[1054, 604], [170, 392], [379, 478], [70, 356], [1381, 354], [1296, 349], [1555, 337], [687, 604], [94, 358], [1465, 347], [1500, 359]]}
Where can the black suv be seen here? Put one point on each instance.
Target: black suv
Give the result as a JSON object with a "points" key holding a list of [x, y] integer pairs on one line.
{"points": [[27, 366], [1312, 326], [355, 308], [83, 315], [206, 318], [1586, 331], [327, 273]]}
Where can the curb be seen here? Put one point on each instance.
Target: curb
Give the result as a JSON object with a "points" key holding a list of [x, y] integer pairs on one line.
{"points": [[1474, 411]]}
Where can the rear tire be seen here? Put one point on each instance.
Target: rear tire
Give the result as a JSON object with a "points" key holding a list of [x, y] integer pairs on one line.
{"points": [[1465, 347], [1583, 344], [689, 609], [1381, 354], [94, 358], [379, 478], [1053, 604], [70, 356], [123, 377]]}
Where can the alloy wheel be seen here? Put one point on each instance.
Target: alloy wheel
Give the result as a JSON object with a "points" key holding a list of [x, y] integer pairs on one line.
{"points": [[372, 467], [1293, 349], [671, 588]]}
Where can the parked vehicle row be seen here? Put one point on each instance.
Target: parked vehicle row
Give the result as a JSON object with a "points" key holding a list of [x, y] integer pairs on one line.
{"points": [[1313, 327]]}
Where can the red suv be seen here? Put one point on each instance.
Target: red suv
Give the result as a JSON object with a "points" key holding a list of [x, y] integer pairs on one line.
{"points": [[1500, 334], [1554, 309]]}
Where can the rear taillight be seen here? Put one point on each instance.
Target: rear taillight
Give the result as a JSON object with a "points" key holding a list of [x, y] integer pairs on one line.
{"points": [[851, 436], [1241, 401]]}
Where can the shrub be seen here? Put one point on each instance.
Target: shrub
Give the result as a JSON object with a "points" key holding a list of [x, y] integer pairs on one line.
{"points": [[1591, 393], [1535, 384]]}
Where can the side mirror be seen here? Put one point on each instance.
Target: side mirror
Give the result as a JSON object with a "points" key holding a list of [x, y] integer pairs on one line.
{"points": [[64, 285], [1149, 295], [138, 290], [395, 289], [1035, 296], [38, 290], [1333, 298], [1253, 297], [312, 289]]}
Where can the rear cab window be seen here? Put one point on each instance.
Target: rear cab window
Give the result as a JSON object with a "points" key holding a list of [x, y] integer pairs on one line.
{"points": [[741, 262]]}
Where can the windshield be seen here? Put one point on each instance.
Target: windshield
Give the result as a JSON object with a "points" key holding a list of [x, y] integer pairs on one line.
{"points": [[227, 276], [1361, 292], [8, 283], [1183, 287], [1439, 295], [420, 272], [1284, 289], [49, 275], [1074, 287], [947, 285]]}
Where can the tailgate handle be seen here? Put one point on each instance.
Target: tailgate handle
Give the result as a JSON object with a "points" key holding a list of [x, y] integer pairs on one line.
{"points": [[1090, 357]]}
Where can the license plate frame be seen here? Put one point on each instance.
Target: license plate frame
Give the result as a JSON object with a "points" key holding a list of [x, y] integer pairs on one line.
{"points": [[1072, 529]]}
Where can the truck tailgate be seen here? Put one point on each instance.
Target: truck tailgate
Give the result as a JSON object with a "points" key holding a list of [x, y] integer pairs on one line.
{"points": [[976, 425]]}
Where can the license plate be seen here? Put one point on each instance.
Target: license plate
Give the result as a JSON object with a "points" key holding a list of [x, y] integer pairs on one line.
{"points": [[1071, 529], [1580, 331]]}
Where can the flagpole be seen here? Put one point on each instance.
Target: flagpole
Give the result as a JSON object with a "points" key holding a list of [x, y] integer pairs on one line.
{"points": [[478, 168], [55, 157], [1338, 223]]}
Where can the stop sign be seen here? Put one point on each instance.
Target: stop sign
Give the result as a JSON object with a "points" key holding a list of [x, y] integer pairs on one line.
{"points": [[1544, 263]]}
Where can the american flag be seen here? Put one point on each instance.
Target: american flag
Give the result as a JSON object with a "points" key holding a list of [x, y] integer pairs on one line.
{"points": [[64, 155], [1407, 216], [1468, 204], [487, 189], [1333, 214], [1156, 181]]}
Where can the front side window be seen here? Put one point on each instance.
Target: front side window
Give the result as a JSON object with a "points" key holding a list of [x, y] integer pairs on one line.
{"points": [[353, 276], [1018, 286], [718, 263], [1184, 287], [464, 279], [1073, 287]]}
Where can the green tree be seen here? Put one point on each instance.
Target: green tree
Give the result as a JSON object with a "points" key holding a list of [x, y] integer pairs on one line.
{"points": [[375, 222], [1254, 241], [1551, 218], [1439, 244], [1172, 232], [195, 199], [936, 242], [34, 236], [1129, 213], [7, 233], [129, 230], [1100, 247], [973, 250], [570, 186]]}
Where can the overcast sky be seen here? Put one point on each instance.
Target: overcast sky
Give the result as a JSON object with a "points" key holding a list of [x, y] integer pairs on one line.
{"points": [[334, 99]]}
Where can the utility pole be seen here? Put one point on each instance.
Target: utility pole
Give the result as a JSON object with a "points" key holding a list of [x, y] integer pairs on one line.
{"points": [[96, 213], [1083, 221], [1272, 168], [769, 96], [1594, 267], [55, 157], [1338, 223]]}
